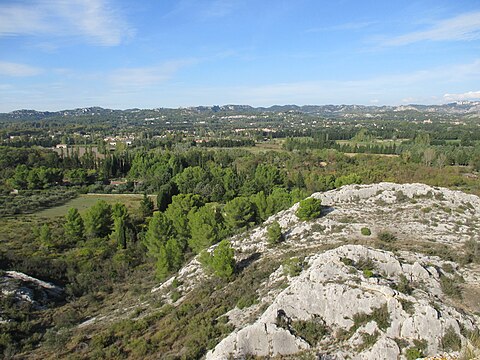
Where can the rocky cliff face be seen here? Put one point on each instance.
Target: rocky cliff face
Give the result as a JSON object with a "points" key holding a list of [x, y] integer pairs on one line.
{"points": [[409, 289], [409, 300], [363, 314]]}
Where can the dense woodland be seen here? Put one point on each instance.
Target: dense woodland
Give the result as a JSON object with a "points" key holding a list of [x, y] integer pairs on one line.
{"points": [[201, 181]]}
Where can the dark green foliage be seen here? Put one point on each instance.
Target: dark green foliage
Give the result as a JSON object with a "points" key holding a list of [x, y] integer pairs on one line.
{"points": [[451, 341], [472, 251], [308, 209], [380, 315], [312, 331], [120, 232], [159, 231], [45, 236], [365, 231], [74, 227], [239, 213], [267, 177], [247, 301], [146, 206], [165, 195], [387, 237], [98, 220], [347, 261], [274, 233], [120, 224], [407, 306], [162, 246], [221, 261], [365, 263], [206, 227], [177, 213], [174, 254], [404, 285]]}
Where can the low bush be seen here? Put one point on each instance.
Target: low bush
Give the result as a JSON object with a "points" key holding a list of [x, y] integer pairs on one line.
{"points": [[451, 341], [365, 231], [309, 209], [386, 236]]}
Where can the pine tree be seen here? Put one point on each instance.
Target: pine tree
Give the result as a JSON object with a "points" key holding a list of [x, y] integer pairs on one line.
{"points": [[308, 209], [74, 227], [239, 213], [146, 206], [220, 261], [45, 235], [98, 219], [174, 254], [205, 227], [274, 233], [223, 260]]}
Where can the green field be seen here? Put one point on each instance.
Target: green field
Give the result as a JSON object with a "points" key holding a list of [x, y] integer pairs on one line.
{"points": [[84, 201]]}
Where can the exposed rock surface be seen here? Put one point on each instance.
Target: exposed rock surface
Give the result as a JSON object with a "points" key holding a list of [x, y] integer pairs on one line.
{"points": [[336, 292], [29, 289]]}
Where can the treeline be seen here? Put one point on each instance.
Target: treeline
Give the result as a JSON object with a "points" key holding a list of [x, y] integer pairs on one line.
{"points": [[226, 143], [32, 168], [421, 149]]}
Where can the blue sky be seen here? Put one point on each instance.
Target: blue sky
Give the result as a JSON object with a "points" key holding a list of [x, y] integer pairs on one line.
{"points": [[61, 54]]}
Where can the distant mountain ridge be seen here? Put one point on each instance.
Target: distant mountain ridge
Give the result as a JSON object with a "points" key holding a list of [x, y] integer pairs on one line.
{"points": [[459, 108]]}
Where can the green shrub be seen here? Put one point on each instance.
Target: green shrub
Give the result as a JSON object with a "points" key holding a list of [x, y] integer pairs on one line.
{"points": [[386, 236], [221, 261], [404, 285], [365, 263], [247, 301], [368, 273], [292, 266], [451, 341], [308, 209], [380, 315], [312, 331], [365, 231], [413, 353], [347, 261], [274, 233], [407, 306], [450, 287], [368, 340], [175, 295]]}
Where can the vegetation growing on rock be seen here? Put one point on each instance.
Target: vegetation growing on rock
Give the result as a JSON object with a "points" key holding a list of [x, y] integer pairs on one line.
{"points": [[309, 209]]}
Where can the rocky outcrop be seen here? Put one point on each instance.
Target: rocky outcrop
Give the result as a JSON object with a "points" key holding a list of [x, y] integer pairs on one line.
{"points": [[346, 289], [28, 289], [353, 289]]}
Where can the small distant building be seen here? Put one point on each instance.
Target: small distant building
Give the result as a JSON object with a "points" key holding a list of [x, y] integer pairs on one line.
{"points": [[61, 146], [118, 182]]}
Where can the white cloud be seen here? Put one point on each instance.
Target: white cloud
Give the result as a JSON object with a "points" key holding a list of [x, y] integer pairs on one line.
{"points": [[414, 87], [470, 95], [18, 70], [95, 20], [141, 77], [462, 27]]}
